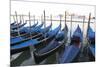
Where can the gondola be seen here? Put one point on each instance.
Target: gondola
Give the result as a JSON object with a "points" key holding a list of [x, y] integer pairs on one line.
{"points": [[71, 51], [18, 26], [13, 23], [27, 30], [22, 29], [14, 33], [91, 40], [24, 45], [39, 32], [55, 45], [49, 35]]}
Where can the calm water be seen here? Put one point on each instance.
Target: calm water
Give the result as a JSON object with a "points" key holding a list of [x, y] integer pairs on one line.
{"points": [[72, 29], [56, 23]]}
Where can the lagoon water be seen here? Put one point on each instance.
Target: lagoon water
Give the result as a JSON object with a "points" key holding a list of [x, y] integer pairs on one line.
{"points": [[72, 29]]}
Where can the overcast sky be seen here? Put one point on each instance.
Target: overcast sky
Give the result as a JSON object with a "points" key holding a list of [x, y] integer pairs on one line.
{"points": [[37, 8], [50, 8]]}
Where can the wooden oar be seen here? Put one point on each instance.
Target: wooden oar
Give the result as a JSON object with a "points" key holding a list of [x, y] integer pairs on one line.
{"points": [[71, 27], [22, 18], [17, 24], [34, 19], [31, 47], [65, 31], [87, 33]]}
